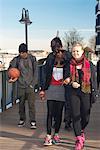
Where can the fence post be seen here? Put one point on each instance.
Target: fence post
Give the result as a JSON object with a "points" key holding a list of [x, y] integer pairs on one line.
{"points": [[3, 100]]}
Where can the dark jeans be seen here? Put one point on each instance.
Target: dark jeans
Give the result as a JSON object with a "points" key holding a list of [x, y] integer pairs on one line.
{"points": [[67, 106], [80, 105], [23, 95], [54, 108]]}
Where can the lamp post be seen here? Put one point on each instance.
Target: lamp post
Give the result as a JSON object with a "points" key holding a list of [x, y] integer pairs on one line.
{"points": [[25, 20]]}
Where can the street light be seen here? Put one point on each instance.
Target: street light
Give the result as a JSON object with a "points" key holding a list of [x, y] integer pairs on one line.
{"points": [[25, 20]]}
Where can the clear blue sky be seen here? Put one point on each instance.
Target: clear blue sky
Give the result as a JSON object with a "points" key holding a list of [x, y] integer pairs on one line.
{"points": [[47, 17]]}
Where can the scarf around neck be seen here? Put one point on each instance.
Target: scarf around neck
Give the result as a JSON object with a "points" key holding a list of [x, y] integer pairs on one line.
{"points": [[85, 86]]}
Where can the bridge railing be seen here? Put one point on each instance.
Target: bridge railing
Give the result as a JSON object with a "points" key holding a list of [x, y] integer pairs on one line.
{"points": [[8, 91]]}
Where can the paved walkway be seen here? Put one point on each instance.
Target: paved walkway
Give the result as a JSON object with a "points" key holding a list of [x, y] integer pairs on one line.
{"points": [[14, 138]]}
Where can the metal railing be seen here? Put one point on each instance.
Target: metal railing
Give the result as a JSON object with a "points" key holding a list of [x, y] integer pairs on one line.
{"points": [[8, 91]]}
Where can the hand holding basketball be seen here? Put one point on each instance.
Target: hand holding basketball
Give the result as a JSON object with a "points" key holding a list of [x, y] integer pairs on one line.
{"points": [[13, 74], [12, 80]]}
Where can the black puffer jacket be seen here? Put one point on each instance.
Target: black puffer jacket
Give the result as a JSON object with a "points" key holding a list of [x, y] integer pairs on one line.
{"points": [[48, 69]]}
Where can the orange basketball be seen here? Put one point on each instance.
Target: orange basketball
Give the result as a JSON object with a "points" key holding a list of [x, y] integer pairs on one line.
{"points": [[13, 73]]}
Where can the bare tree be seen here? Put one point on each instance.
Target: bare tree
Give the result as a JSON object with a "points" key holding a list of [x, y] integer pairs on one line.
{"points": [[70, 38], [92, 42]]}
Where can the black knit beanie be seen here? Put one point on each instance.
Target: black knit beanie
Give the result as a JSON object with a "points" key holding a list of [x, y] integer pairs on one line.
{"points": [[22, 48]]}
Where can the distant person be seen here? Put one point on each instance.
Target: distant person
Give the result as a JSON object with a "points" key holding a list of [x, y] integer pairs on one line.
{"points": [[83, 83], [53, 90], [98, 74], [27, 65], [67, 109], [67, 106], [1, 65]]}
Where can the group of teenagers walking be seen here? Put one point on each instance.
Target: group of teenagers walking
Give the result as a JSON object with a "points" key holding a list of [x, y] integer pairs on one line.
{"points": [[68, 80]]}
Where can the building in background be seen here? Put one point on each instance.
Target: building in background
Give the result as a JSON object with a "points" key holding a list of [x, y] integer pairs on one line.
{"points": [[97, 27]]}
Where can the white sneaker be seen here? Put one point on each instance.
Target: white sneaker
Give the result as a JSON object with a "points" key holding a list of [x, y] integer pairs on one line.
{"points": [[21, 123], [33, 125]]}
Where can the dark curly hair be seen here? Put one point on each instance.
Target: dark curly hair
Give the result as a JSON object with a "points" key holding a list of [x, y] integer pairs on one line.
{"points": [[56, 43]]}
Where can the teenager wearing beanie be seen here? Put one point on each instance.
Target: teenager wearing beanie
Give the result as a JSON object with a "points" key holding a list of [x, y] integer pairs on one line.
{"points": [[23, 48], [27, 65]]}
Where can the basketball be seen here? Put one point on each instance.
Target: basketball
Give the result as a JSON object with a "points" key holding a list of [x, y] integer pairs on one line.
{"points": [[13, 73]]}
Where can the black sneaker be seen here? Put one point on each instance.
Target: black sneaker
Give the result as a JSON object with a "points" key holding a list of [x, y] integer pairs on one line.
{"points": [[21, 123], [33, 125]]}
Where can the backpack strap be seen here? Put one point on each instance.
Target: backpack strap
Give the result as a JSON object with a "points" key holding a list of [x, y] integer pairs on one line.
{"points": [[33, 59], [17, 61]]}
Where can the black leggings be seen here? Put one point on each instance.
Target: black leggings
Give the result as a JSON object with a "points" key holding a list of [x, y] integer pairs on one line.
{"points": [[54, 109], [80, 105]]}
